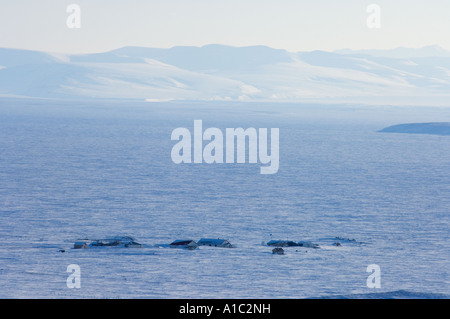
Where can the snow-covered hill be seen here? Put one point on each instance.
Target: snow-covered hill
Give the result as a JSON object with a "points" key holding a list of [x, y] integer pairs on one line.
{"points": [[218, 72]]}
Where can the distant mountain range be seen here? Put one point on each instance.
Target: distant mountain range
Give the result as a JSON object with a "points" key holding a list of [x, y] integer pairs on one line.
{"points": [[225, 73]]}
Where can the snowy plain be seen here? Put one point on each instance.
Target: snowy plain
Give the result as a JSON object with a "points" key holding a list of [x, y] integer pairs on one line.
{"points": [[97, 169]]}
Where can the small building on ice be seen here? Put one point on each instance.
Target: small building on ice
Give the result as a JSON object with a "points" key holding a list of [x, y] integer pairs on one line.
{"points": [[215, 242], [120, 241], [282, 243], [289, 243], [80, 244], [183, 243]]}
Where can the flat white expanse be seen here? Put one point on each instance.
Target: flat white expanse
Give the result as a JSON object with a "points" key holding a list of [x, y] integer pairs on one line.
{"points": [[101, 169]]}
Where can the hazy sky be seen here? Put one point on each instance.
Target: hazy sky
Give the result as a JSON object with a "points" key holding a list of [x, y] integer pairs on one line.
{"points": [[294, 25]]}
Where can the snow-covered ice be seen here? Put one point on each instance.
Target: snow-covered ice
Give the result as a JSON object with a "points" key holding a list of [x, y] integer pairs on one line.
{"points": [[74, 170]]}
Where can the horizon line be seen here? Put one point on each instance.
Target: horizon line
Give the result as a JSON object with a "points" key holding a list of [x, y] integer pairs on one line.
{"points": [[437, 46]]}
